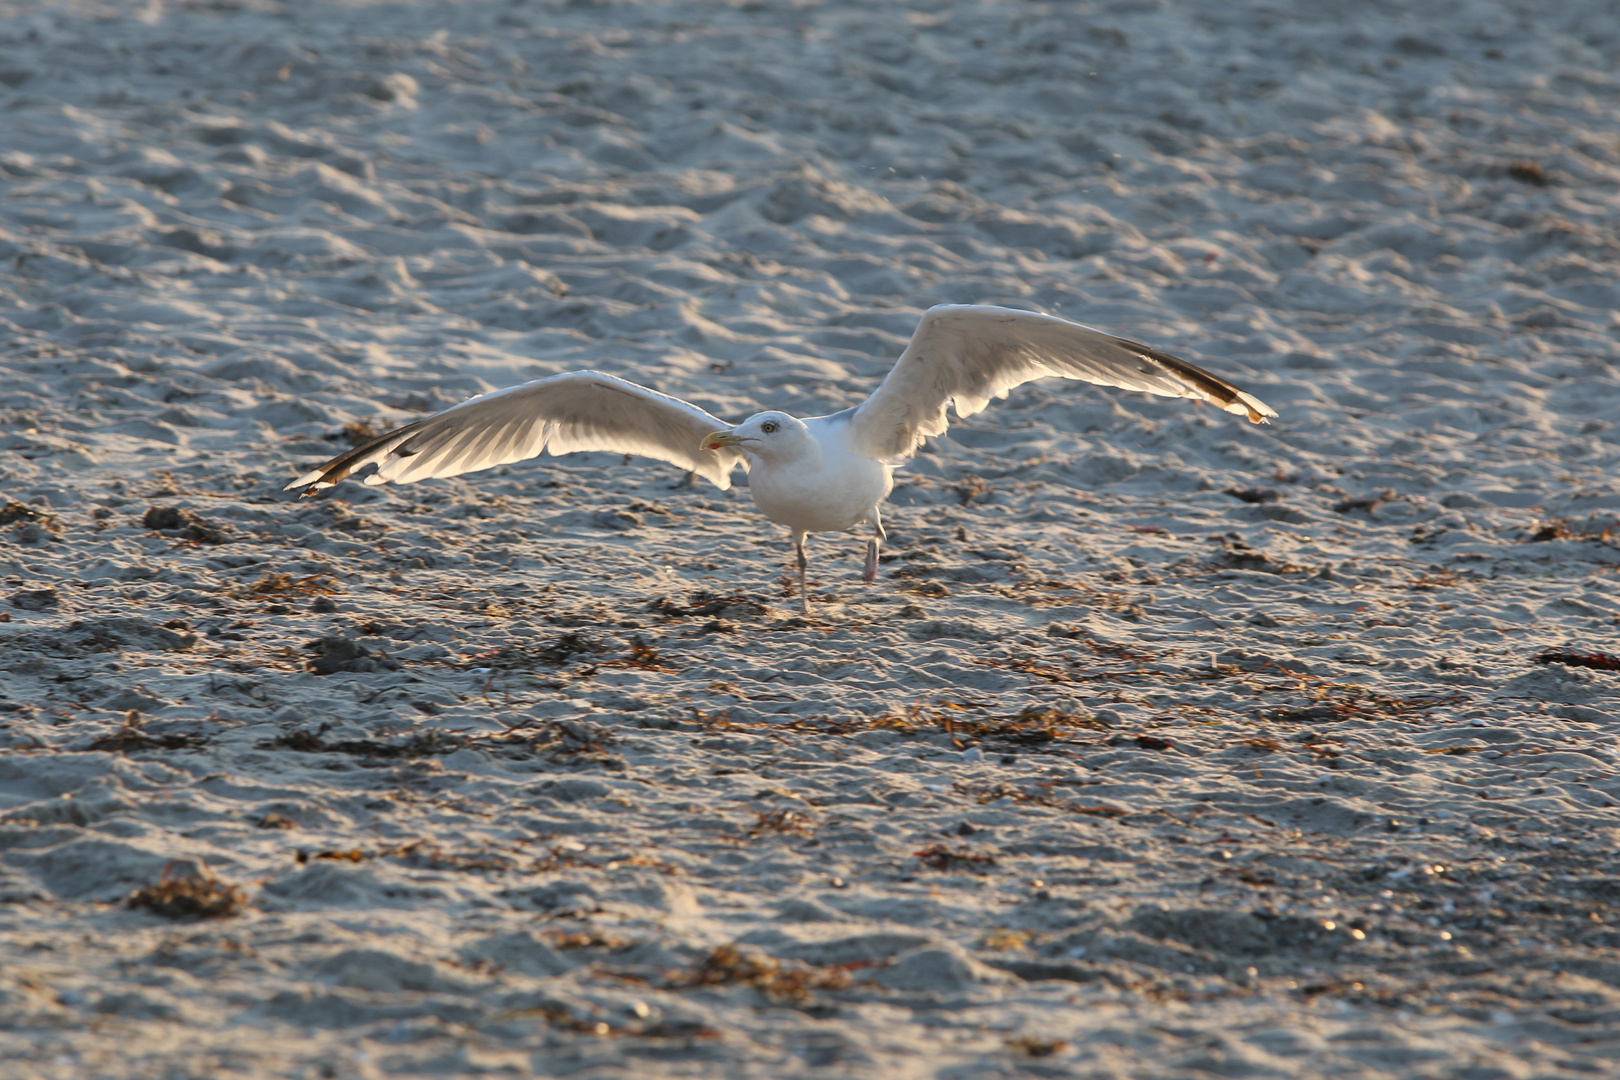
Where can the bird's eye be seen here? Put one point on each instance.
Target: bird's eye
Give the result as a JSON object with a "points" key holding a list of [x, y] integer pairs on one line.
{"points": [[768, 427]]}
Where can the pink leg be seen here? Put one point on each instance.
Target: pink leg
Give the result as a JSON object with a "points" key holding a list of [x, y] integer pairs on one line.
{"points": [[804, 565], [869, 574]]}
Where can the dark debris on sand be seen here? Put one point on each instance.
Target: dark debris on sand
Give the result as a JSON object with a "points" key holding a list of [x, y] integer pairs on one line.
{"points": [[190, 893], [1599, 661]]}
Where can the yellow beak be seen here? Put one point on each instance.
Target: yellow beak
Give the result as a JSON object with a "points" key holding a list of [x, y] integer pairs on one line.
{"points": [[714, 440]]}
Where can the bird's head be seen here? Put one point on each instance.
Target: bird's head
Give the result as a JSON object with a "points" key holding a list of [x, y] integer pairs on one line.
{"points": [[764, 435]]}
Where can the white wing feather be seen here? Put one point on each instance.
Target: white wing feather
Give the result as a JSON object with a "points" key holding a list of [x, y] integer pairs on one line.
{"points": [[582, 410], [965, 355]]}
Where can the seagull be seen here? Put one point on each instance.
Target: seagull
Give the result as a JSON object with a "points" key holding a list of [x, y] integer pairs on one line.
{"points": [[816, 474]]}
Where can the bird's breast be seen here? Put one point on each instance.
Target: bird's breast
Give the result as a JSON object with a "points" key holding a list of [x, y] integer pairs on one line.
{"points": [[829, 496]]}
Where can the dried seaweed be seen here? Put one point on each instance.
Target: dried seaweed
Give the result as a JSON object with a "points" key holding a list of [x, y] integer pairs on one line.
{"points": [[584, 939], [272, 584], [1434, 580], [29, 524], [1045, 796], [559, 1016], [419, 853], [1034, 726], [427, 743], [335, 654], [566, 648], [1254, 495], [971, 489], [783, 822], [129, 736], [1336, 701], [1367, 503], [1526, 171], [358, 433], [1032, 1046], [563, 741], [788, 981], [194, 893], [1007, 940], [184, 525], [704, 604], [277, 821], [941, 857], [1237, 555], [642, 655], [36, 599], [426, 853], [1595, 530], [353, 855], [1599, 661], [14, 512], [1550, 530], [1047, 593]]}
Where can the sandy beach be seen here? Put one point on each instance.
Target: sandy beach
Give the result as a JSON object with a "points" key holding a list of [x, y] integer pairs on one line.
{"points": [[1163, 747]]}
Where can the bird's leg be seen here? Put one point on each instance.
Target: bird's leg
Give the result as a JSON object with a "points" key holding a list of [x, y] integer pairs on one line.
{"points": [[869, 574], [804, 563]]}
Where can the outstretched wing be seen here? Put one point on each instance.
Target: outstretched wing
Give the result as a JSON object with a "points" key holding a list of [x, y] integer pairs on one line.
{"points": [[966, 355], [582, 410]]}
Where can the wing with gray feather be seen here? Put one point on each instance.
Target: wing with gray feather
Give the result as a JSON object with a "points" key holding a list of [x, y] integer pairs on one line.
{"points": [[965, 355], [582, 410]]}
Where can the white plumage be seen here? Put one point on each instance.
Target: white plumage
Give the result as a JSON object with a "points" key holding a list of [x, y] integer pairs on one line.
{"points": [[966, 356], [820, 474], [565, 414]]}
